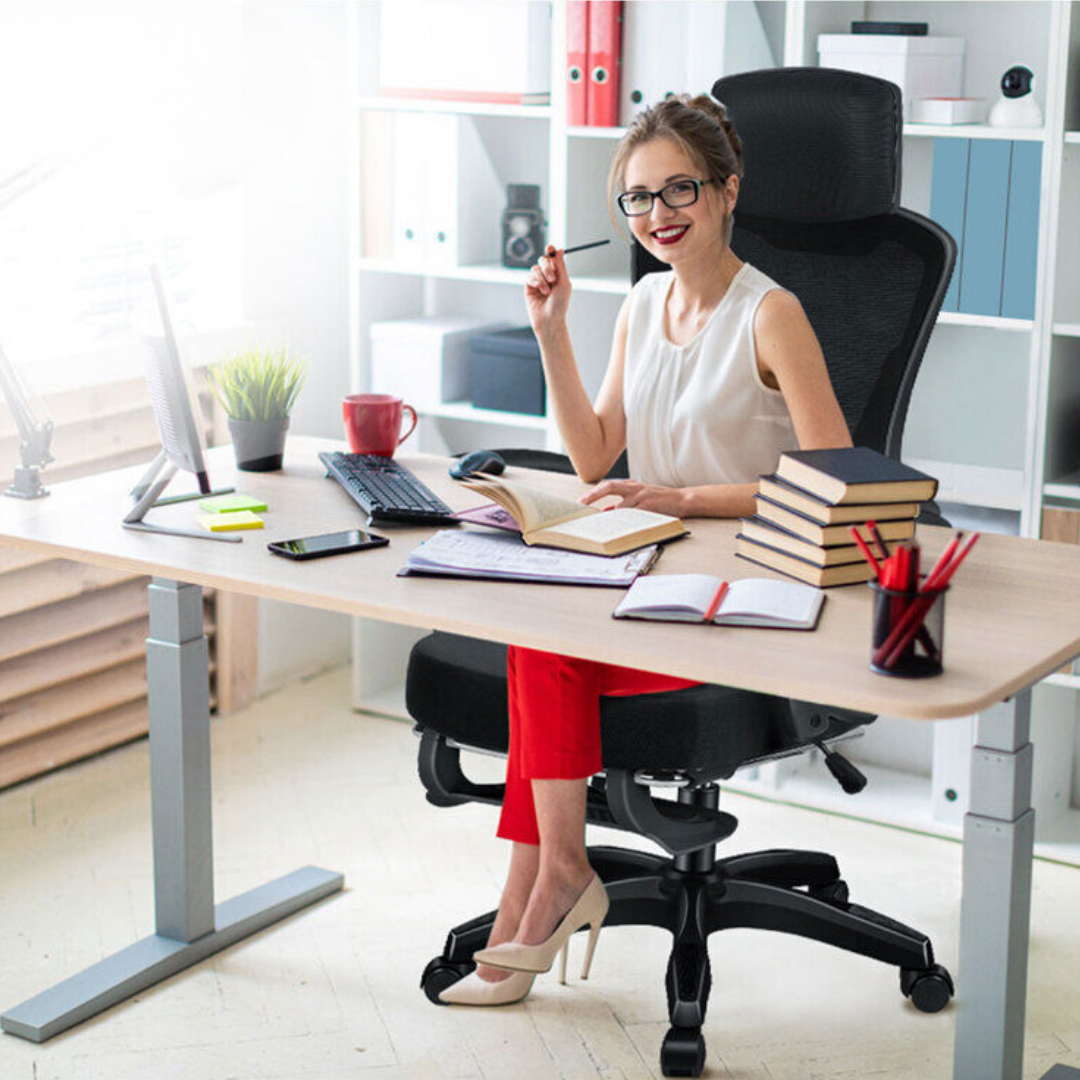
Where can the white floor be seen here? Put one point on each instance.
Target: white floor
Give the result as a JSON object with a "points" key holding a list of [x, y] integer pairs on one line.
{"points": [[333, 992]]}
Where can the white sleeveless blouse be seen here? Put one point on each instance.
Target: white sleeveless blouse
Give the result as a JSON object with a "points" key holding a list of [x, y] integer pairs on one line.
{"points": [[699, 413]]}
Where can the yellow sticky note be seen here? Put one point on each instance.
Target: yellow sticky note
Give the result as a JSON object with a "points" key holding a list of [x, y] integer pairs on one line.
{"points": [[238, 519]]}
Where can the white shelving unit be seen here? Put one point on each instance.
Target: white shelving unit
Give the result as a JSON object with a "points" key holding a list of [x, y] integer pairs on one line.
{"points": [[996, 410], [973, 131]]}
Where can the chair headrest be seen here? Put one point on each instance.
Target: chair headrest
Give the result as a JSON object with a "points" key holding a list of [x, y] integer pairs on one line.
{"points": [[818, 144]]}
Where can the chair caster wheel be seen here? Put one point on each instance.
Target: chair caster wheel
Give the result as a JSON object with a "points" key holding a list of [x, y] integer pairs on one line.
{"points": [[930, 990], [836, 892], [683, 1052], [440, 974]]}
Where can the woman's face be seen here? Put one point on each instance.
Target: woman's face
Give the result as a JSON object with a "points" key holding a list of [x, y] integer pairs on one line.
{"points": [[675, 235]]}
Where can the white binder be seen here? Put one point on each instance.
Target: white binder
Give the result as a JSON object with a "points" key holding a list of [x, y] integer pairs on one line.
{"points": [[463, 195], [670, 48], [654, 38], [406, 188]]}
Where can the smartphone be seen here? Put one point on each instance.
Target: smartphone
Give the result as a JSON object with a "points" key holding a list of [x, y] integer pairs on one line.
{"points": [[315, 547]]}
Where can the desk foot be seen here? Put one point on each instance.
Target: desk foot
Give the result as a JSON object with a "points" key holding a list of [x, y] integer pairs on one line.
{"points": [[155, 958]]}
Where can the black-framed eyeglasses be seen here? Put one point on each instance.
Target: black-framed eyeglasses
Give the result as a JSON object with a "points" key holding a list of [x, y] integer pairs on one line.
{"points": [[675, 195]]}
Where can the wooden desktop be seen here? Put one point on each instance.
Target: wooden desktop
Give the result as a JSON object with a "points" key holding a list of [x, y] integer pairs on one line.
{"points": [[1012, 618]]}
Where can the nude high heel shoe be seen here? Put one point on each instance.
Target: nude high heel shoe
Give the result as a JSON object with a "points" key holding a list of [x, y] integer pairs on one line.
{"points": [[590, 910], [472, 990]]}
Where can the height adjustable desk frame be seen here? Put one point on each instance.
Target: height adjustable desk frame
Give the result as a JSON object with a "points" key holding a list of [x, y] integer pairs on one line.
{"points": [[998, 830], [189, 925]]}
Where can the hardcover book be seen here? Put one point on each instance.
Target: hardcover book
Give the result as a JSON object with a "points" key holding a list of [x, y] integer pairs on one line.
{"points": [[765, 532], [794, 498], [826, 535], [855, 474], [823, 577]]}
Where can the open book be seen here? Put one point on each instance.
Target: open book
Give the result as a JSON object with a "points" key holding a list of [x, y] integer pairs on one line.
{"points": [[777, 605], [548, 520]]}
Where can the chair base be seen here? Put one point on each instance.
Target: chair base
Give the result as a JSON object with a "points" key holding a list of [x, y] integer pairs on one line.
{"points": [[794, 892]]}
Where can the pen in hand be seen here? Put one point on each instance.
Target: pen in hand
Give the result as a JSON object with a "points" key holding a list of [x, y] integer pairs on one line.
{"points": [[551, 252], [585, 247]]}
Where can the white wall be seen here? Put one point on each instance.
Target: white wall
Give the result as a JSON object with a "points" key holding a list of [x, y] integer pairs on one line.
{"points": [[297, 109]]}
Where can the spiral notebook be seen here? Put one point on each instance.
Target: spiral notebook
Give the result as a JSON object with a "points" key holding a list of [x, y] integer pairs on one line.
{"points": [[504, 557]]}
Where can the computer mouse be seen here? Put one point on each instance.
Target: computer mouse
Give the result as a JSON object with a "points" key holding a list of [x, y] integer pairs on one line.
{"points": [[487, 461]]}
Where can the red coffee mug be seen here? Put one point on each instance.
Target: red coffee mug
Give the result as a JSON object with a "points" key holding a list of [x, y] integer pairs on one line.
{"points": [[373, 423]]}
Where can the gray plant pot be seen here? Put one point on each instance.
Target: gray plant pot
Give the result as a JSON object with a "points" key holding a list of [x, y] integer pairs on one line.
{"points": [[259, 444]]}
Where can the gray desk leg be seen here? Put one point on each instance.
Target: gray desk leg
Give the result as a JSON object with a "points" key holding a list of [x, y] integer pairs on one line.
{"points": [[189, 925], [995, 913]]}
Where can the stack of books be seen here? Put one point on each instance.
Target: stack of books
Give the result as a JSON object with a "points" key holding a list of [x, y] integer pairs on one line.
{"points": [[806, 510]]}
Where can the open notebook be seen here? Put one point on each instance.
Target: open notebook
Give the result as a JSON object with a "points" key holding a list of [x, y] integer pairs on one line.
{"points": [[762, 602]]}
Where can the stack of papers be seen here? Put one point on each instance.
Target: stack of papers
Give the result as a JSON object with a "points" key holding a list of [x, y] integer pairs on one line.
{"points": [[460, 553]]}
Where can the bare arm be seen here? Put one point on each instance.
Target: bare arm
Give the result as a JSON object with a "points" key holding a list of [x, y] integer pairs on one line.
{"points": [[790, 358], [594, 436]]}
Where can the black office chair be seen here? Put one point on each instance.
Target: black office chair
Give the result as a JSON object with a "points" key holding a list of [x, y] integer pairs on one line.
{"points": [[818, 212]]}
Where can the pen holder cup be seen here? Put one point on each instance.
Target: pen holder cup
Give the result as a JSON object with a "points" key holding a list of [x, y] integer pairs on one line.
{"points": [[908, 632]]}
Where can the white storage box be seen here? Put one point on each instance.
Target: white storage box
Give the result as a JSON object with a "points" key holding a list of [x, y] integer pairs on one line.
{"points": [[466, 51], [923, 67], [941, 110], [424, 361]]}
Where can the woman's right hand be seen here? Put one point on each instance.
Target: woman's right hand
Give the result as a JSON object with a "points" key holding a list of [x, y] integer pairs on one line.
{"points": [[547, 290]]}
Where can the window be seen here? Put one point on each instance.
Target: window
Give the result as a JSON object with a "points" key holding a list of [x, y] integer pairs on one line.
{"points": [[121, 143]]}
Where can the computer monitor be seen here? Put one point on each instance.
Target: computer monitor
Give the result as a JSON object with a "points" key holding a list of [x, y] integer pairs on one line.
{"points": [[175, 410]]}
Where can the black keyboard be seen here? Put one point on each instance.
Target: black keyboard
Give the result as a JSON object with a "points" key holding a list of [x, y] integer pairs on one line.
{"points": [[385, 490]]}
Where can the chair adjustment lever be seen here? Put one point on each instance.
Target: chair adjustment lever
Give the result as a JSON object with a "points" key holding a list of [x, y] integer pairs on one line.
{"points": [[847, 775]]}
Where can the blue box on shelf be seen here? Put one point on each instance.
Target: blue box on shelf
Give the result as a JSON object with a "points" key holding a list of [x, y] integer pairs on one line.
{"points": [[505, 372]]}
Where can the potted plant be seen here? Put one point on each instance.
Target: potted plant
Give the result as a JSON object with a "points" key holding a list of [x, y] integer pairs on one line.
{"points": [[257, 389]]}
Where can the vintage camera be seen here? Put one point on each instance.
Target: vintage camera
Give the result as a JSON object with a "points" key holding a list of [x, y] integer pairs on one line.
{"points": [[522, 226]]}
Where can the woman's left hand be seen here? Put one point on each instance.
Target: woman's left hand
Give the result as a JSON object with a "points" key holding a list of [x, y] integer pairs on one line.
{"points": [[661, 500]]}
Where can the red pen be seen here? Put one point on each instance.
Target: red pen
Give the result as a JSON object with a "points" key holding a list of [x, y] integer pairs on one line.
{"points": [[876, 534], [717, 600], [961, 555], [943, 558], [868, 555]]}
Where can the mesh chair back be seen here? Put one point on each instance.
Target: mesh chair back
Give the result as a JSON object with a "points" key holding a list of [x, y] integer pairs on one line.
{"points": [[818, 212]]}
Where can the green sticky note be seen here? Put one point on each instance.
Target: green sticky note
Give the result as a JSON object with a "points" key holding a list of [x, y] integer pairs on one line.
{"points": [[230, 504]]}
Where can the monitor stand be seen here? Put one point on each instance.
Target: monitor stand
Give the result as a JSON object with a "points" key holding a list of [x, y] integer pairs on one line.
{"points": [[144, 496]]}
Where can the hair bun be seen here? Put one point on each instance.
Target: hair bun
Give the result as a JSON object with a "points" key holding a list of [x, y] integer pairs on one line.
{"points": [[717, 111]]}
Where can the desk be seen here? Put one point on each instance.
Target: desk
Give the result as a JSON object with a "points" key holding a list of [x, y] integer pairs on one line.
{"points": [[1011, 620]]}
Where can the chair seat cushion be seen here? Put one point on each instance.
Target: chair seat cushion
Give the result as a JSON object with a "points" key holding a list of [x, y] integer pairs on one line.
{"points": [[457, 687]]}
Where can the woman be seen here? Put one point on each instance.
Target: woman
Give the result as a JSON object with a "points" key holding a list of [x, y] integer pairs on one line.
{"points": [[714, 371]]}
